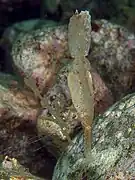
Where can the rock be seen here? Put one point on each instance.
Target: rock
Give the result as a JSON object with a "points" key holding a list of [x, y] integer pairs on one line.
{"points": [[18, 137], [12, 32], [112, 147], [22, 143], [41, 52], [16, 101], [102, 95], [11, 168], [112, 56]]}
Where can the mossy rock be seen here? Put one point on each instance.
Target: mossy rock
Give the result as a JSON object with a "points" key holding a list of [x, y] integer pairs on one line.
{"points": [[113, 147]]}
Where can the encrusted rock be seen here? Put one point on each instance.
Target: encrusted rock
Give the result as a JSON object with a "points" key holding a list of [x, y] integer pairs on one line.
{"points": [[41, 52], [112, 147], [16, 101], [112, 56]]}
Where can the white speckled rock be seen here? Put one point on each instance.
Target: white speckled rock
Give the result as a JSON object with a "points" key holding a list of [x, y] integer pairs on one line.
{"points": [[112, 148]]}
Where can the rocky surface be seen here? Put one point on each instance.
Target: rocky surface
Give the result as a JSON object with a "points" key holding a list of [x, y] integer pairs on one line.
{"points": [[18, 135], [113, 56], [15, 100], [113, 146]]}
